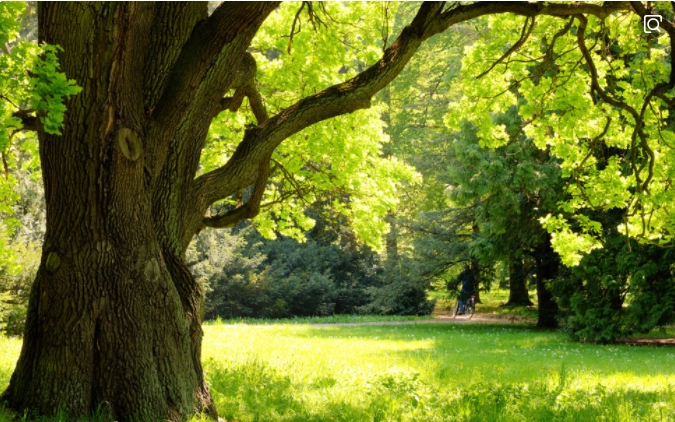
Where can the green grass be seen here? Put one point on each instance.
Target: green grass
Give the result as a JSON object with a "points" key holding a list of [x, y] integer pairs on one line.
{"points": [[426, 372], [9, 353]]}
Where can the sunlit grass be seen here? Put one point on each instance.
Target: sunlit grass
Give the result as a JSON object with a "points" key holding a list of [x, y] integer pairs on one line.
{"points": [[9, 353], [424, 372], [432, 372]]}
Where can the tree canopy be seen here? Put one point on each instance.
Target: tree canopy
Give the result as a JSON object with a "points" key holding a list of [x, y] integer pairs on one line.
{"points": [[595, 90]]}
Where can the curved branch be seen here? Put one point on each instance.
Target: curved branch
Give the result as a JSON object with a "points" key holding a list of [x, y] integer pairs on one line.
{"points": [[254, 99], [595, 85], [245, 86], [250, 209], [202, 74], [658, 91], [356, 93], [595, 88], [565, 29]]}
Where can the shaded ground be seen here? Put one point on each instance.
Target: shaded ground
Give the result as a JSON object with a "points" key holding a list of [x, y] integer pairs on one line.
{"points": [[647, 341], [441, 317], [445, 317]]}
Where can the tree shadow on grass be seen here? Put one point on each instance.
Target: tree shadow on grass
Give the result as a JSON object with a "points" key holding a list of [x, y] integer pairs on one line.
{"points": [[538, 402], [523, 351], [255, 391]]}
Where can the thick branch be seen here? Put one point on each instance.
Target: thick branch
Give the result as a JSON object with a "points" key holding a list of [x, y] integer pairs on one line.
{"points": [[200, 53], [336, 100], [172, 26], [30, 123], [250, 209], [356, 93], [203, 73]]}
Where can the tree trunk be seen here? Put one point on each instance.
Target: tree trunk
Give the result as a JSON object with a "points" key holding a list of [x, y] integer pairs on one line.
{"points": [[475, 270], [391, 240], [518, 295], [114, 314], [547, 264]]}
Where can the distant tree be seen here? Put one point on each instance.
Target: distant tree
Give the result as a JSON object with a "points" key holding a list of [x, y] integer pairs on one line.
{"points": [[508, 189]]}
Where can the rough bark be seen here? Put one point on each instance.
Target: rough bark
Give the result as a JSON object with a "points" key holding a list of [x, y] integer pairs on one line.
{"points": [[114, 318], [547, 265], [518, 295], [114, 313]]}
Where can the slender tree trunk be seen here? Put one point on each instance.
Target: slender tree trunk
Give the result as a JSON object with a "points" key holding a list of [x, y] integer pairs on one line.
{"points": [[391, 240], [547, 265], [518, 295]]}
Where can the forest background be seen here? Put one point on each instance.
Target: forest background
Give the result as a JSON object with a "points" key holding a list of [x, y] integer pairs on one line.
{"points": [[477, 154]]}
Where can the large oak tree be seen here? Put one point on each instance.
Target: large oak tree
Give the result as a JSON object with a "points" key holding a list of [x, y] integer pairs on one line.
{"points": [[114, 316]]}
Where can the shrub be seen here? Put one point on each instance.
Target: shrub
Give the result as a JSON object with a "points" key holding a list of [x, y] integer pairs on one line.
{"points": [[618, 290], [400, 295], [245, 275]]}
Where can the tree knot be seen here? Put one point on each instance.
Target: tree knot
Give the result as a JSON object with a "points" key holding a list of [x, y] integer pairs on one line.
{"points": [[53, 262], [130, 143]]}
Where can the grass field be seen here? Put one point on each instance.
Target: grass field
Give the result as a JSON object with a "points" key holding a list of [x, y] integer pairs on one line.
{"points": [[424, 372], [432, 372]]}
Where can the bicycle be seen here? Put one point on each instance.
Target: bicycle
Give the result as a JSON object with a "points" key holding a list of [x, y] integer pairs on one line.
{"points": [[469, 307]]}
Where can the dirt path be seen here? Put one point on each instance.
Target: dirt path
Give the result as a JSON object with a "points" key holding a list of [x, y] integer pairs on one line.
{"points": [[647, 341], [446, 318], [440, 318]]}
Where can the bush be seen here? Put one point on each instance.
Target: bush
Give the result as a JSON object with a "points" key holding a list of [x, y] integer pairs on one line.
{"points": [[399, 296], [618, 291], [245, 275]]}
